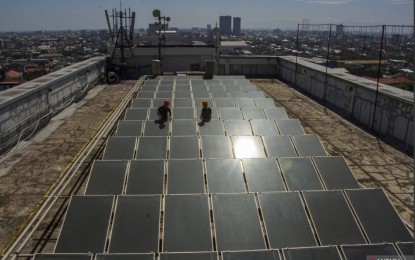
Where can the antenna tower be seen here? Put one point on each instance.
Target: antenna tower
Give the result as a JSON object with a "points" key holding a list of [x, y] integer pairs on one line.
{"points": [[121, 37]]}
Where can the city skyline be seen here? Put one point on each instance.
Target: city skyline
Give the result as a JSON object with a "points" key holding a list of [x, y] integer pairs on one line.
{"points": [[26, 15]]}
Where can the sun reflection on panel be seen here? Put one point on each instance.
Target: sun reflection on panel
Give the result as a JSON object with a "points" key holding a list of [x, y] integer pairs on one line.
{"points": [[248, 147]]}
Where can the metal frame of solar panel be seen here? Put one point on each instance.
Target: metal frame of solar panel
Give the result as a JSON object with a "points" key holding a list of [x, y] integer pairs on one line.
{"points": [[216, 190]]}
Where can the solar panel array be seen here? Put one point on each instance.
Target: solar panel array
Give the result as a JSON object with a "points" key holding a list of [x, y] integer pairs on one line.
{"points": [[249, 184]]}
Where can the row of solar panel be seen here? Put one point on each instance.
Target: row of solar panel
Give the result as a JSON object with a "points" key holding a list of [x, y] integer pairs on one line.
{"points": [[181, 87], [188, 113], [400, 251], [213, 103], [221, 222], [201, 93], [266, 127], [140, 177], [212, 146]]}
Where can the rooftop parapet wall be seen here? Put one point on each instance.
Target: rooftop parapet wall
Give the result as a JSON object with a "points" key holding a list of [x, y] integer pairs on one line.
{"points": [[354, 98], [30, 105]]}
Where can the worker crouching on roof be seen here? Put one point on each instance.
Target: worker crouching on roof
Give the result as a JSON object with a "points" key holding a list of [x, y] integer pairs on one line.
{"points": [[206, 113], [164, 113]]}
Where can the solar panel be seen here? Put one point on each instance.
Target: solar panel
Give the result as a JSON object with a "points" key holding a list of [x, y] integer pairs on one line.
{"points": [[183, 113], [248, 147], [275, 113], [106, 178], [406, 248], [189, 256], [251, 255], [290, 126], [183, 102], [286, 220], [300, 174], [153, 129], [198, 93], [183, 127], [136, 224], [308, 145], [224, 102], [141, 103], [279, 146], [312, 253], [264, 127], [145, 177], [63, 257], [185, 176], [136, 114], [238, 127], [120, 148], [263, 175], [164, 94], [129, 128], [252, 113], [125, 257], [166, 86], [235, 216], [219, 94], [254, 93], [214, 88], [224, 176], [369, 204], [145, 94], [152, 148], [244, 102], [230, 113], [187, 224], [333, 218], [237, 93], [182, 94], [264, 102], [182, 87], [353, 252], [148, 87], [184, 147], [85, 231], [213, 127], [216, 147], [335, 173]]}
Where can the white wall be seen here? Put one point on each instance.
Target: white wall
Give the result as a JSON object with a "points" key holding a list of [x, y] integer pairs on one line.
{"points": [[354, 99]]}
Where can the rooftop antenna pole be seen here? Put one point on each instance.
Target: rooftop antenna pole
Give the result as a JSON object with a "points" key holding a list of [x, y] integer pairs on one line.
{"points": [[109, 27], [379, 75], [327, 65]]}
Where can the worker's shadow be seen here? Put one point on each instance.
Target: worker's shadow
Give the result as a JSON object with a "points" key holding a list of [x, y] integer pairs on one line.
{"points": [[160, 123]]}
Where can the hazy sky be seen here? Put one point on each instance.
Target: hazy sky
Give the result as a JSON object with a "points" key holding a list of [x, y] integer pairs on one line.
{"points": [[25, 15]]}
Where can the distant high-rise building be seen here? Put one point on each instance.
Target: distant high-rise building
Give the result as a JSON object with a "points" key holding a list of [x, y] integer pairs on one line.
{"points": [[225, 24], [339, 30], [237, 25], [209, 30], [151, 29]]}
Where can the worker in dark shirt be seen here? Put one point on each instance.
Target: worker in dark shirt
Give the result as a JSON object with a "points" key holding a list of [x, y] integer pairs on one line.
{"points": [[164, 113], [206, 113]]}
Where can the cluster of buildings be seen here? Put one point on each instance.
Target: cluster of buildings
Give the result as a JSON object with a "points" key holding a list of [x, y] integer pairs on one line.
{"points": [[25, 56]]}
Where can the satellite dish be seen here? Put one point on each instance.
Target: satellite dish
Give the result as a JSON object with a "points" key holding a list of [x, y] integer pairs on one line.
{"points": [[168, 19], [156, 13]]}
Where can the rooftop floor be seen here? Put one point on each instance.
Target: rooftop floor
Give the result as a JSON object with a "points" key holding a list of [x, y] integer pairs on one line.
{"points": [[29, 173]]}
